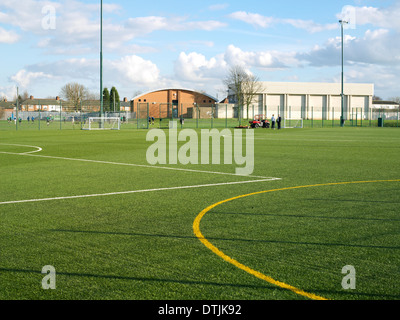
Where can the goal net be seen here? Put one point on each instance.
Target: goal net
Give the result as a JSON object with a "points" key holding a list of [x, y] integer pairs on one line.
{"points": [[99, 123], [293, 123]]}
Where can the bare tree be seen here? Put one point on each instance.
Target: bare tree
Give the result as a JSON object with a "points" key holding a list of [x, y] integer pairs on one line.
{"points": [[243, 85], [395, 99], [75, 93], [137, 93], [234, 82], [25, 95], [251, 89]]}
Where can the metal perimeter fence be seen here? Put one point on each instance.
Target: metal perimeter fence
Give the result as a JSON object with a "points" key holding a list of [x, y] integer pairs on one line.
{"points": [[146, 116]]}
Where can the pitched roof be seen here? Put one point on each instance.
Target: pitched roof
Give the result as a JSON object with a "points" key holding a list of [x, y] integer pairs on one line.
{"points": [[385, 102], [46, 102], [7, 104]]}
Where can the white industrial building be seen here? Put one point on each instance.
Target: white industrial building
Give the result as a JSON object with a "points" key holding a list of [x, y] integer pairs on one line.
{"points": [[312, 100]]}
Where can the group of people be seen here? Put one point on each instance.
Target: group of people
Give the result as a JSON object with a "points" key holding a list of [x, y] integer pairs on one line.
{"points": [[10, 119], [32, 119], [277, 121], [152, 120]]}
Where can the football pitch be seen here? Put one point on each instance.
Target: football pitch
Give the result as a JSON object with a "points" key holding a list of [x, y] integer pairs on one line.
{"points": [[115, 227]]}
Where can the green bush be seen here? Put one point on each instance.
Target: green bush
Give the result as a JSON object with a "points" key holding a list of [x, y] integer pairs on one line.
{"points": [[391, 123]]}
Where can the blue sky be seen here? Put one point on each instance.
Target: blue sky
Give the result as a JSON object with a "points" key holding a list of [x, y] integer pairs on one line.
{"points": [[149, 45]]}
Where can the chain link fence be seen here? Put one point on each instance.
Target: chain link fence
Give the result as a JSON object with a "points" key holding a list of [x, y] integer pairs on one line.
{"points": [[69, 116]]}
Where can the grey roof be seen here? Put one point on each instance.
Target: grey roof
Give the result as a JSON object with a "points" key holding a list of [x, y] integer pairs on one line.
{"points": [[46, 102], [7, 104], [385, 102]]}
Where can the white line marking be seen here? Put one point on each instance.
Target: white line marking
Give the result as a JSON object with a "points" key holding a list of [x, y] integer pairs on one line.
{"points": [[263, 179], [314, 140], [135, 191], [21, 145], [136, 165]]}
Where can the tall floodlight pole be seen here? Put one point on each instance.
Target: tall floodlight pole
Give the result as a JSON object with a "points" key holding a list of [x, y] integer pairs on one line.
{"points": [[16, 110], [342, 22], [101, 58]]}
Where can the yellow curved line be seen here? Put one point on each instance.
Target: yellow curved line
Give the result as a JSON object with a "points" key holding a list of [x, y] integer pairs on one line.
{"points": [[209, 245]]}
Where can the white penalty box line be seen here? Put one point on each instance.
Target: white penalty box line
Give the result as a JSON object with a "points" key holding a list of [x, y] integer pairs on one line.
{"points": [[256, 179]]}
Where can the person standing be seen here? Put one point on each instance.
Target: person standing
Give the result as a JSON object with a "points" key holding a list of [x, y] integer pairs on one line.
{"points": [[279, 121], [273, 122]]}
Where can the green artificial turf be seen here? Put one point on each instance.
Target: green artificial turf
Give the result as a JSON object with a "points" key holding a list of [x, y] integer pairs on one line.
{"points": [[141, 246]]}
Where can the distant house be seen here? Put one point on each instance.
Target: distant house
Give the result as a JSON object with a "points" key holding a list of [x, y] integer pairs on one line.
{"points": [[7, 105], [33, 104], [53, 105], [94, 106], [388, 110], [385, 105], [126, 105], [7, 109]]}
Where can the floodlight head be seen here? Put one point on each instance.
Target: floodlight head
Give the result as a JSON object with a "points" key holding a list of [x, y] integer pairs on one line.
{"points": [[343, 21]]}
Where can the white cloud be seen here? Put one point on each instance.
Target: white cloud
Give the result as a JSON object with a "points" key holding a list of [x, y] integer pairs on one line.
{"points": [[77, 29], [262, 59], [254, 19], [27, 15], [127, 72], [310, 25], [145, 25], [8, 36], [219, 6], [264, 22], [135, 70], [379, 17], [195, 67], [8, 92], [24, 78], [375, 47]]}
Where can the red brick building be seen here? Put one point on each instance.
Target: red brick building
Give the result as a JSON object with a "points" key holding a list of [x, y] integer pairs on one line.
{"points": [[165, 103]]}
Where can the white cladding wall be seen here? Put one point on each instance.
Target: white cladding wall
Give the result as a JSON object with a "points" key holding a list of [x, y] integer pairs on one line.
{"points": [[314, 100]]}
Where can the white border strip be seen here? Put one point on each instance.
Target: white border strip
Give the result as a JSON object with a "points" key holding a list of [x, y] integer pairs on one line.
{"points": [[135, 191]]}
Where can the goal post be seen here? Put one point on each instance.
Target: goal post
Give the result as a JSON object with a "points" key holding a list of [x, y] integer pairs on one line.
{"points": [[102, 123], [290, 123]]}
